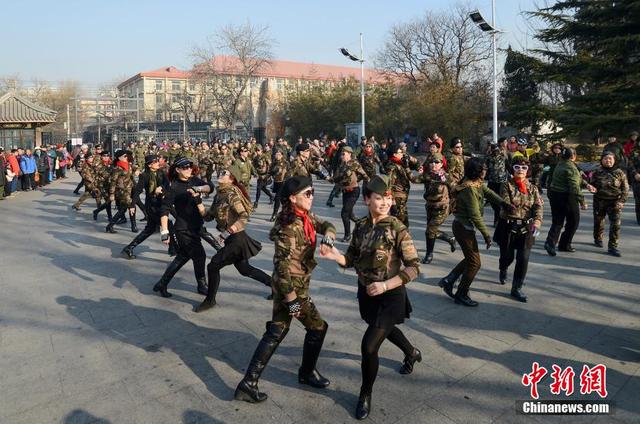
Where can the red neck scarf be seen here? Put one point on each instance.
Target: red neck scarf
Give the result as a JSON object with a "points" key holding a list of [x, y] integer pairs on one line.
{"points": [[522, 185], [123, 165], [309, 229], [368, 152], [396, 160]]}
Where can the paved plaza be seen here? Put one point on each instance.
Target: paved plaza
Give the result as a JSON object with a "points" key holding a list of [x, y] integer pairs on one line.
{"points": [[84, 339]]}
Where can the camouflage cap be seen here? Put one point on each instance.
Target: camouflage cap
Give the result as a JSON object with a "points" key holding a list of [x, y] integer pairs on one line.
{"points": [[347, 149], [380, 184], [235, 170]]}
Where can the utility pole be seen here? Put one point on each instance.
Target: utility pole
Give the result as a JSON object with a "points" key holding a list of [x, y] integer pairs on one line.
{"points": [[76, 117], [68, 124], [362, 83], [138, 109], [495, 73]]}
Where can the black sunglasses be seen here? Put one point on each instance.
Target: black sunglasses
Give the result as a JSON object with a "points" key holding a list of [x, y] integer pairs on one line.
{"points": [[184, 166], [308, 193], [436, 161]]}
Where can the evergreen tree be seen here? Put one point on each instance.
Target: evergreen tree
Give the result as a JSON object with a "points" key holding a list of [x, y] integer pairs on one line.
{"points": [[519, 94], [594, 52]]}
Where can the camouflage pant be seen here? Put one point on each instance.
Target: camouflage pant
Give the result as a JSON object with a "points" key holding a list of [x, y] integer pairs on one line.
{"points": [[309, 316], [399, 210], [435, 218], [87, 194], [602, 208]]}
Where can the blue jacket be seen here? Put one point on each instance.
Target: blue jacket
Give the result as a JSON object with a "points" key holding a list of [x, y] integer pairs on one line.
{"points": [[27, 164]]}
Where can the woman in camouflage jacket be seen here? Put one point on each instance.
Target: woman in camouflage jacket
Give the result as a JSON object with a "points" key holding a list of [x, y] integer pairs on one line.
{"points": [[383, 254]]}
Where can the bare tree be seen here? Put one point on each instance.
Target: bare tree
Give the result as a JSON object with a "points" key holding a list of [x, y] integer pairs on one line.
{"points": [[225, 66], [436, 48]]}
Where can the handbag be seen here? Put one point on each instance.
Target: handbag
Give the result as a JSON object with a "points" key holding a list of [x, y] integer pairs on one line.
{"points": [[36, 177]]}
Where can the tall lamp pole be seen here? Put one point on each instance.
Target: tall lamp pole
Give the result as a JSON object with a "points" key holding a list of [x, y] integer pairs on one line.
{"points": [[360, 59], [477, 18]]}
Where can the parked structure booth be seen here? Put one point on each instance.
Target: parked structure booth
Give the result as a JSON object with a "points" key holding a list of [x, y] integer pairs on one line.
{"points": [[21, 122]]}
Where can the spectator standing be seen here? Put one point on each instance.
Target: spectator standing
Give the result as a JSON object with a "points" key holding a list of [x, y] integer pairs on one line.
{"points": [[28, 168]]}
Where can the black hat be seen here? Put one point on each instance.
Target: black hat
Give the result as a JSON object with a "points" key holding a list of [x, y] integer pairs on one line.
{"points": [[295, 185], [302, 147], [105, 153], [149, 159], [88, 155], [121, 152], [182, 161]]}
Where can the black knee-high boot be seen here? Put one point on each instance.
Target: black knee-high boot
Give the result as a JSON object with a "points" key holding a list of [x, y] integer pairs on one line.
{"points": [[429, 256], [247, 389], [177, 263], [132, 219], [308, 374], [449, 239]]}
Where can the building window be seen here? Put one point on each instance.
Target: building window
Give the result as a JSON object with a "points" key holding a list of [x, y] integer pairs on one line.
{"points": [[175, 85], [238, 83], [279, 84], [159, 116], [175, 117], [159, 100], [159, 85]]}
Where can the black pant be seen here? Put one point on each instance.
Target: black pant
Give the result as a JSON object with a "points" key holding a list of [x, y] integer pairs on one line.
{"points": [[153, 223], [28, 181], [189, 247], [276, 200], [565, 211], [262, 187], [515, 246], [106, 205], [371, 342], [349, 200]]}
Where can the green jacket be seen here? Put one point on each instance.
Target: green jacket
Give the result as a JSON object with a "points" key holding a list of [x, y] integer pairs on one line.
{"points": [[567, 179], [470, 197]]}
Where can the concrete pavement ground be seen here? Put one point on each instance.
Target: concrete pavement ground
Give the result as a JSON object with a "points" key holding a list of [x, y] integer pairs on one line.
{"points": [[83, 339]]}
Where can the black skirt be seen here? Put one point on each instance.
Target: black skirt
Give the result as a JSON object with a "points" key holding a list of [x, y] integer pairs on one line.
{"points": [[239, 246], [385, 310]]}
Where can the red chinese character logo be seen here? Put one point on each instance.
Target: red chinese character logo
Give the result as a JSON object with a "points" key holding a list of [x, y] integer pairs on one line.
{"points": [[594, 380], [562, 380], [532, 379]]}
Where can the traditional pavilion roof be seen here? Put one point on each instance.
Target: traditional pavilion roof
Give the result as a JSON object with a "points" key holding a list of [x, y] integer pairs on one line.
{"points": [[16, 109]]}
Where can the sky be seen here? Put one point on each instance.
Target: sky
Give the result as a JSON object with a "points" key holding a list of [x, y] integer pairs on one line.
{"points": [[99, 42]]}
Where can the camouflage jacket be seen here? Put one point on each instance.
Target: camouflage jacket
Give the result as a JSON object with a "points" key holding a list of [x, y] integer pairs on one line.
{"points": [[225, 160], [293, 260], [103, 178], [382, 251], [527, 206], [121, 184], [455, 168], [436, 188], [302, 168], [88, 173], [369, 163], [496, 168], [261, 164], [400, 178], [279, 170], [611, 184], [229, 208], [348, 174], [173, 154], [633, 167]]}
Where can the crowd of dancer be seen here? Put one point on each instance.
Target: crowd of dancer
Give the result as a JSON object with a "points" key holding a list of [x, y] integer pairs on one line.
{"points": [[176, 180]]}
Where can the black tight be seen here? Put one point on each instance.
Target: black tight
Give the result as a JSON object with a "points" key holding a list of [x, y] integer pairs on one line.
{"points": [[243, 266], [371, 342]]}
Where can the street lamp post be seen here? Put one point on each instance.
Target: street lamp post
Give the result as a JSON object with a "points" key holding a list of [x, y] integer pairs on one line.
{"points": [[477, 18], [360, 59]]}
